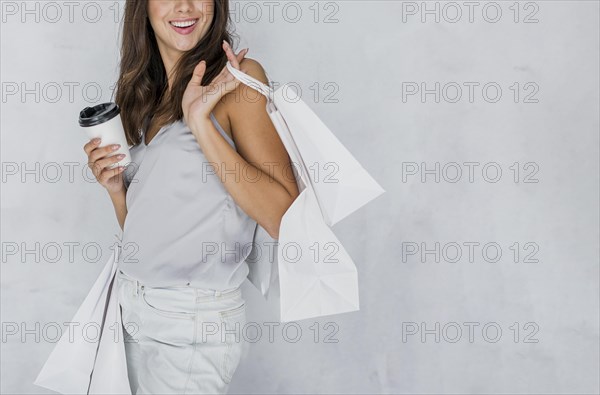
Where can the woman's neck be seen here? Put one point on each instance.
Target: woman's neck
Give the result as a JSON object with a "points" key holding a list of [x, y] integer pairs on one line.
{"points": [[169, 59]]}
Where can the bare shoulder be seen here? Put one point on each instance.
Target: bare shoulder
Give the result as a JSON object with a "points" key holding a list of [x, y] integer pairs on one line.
{"points": [[243, 98], [254, 69], [245, 103], [243, 95]]}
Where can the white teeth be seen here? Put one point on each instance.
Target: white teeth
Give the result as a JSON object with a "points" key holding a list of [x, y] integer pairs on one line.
{"points": [[183, 24]]}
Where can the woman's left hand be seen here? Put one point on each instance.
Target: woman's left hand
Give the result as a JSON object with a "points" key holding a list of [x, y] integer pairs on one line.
{"points": [[198, 101]]}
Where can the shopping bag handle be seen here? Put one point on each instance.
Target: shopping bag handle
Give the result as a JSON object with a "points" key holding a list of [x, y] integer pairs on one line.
{"points": [[251, 82]]}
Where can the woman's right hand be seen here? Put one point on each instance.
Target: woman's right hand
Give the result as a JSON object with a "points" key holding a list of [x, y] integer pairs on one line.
{"points": [[99, 161]]}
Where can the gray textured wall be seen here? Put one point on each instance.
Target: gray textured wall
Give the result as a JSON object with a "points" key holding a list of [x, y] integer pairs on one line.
{"points": [[411, 334]]}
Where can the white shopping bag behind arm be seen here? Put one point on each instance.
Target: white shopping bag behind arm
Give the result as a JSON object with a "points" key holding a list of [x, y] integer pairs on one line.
{"points": [[312, 286]]}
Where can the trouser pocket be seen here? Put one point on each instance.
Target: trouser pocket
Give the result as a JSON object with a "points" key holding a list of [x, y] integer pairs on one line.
{"points": [[232, 325], [170, 302]]}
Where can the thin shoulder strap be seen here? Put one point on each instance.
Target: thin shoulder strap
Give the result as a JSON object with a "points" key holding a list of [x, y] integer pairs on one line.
{"points": [[220, 129], [251, 81]]}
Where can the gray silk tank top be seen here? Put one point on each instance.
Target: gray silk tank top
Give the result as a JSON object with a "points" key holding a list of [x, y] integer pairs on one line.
{"points": [[182, 226]]}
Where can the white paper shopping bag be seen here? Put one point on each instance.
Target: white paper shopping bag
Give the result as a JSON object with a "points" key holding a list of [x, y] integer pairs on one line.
{"points": [[110, 375], [316, 276], [69, 368], [341, 184]]}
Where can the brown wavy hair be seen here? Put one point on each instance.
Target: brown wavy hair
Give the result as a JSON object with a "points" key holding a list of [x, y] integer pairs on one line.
{"points": [[142, 88]]}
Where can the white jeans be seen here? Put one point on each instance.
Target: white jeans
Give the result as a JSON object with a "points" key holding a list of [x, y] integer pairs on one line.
{"points": [[180, 340]]}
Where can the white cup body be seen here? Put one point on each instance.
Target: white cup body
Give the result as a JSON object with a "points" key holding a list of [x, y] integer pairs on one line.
{"points": [[111, 132]]}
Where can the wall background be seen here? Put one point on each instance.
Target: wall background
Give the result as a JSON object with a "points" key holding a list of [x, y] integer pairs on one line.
{"points": [[366, 54]]}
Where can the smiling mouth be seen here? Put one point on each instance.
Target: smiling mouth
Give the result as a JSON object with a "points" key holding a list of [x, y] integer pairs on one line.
{"points": [[184, 24]]}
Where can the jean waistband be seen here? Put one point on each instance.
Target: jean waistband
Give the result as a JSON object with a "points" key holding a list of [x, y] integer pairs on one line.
{"points": [[200, 292]]}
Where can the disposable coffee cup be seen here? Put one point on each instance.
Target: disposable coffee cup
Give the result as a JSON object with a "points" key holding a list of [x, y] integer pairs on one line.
{"points": [[104, 121]]}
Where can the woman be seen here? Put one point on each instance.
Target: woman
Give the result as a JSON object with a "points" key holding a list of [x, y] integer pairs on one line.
{"points": [[208, 166]]}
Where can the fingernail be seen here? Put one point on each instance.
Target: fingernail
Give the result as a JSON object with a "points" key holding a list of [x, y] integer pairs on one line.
{"points": [[96, 140]]}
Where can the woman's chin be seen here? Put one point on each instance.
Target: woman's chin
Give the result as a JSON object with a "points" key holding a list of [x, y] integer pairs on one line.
{"points": [[183, 47]]}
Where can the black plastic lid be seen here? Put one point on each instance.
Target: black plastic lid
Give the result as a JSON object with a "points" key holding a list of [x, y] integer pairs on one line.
{"points": [[91, 116]]}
